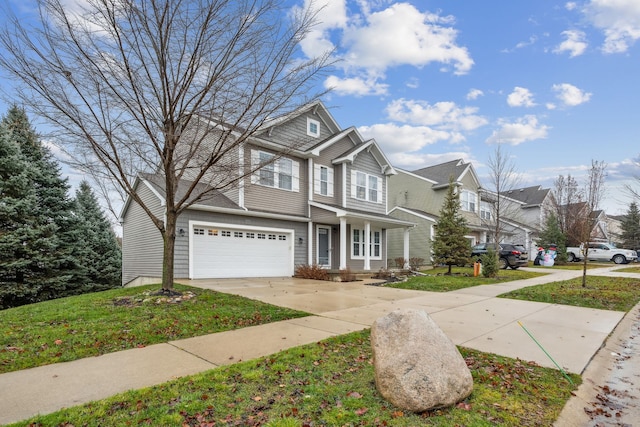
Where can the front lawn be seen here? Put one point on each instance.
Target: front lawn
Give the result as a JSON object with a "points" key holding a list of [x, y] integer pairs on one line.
{"points": [[462, 277], [607, 293], [634, 269], [329, 383], [92, 324]]}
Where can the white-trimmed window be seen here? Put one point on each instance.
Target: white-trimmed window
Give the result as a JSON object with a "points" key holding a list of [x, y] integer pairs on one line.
{"points": [[485, 210], [323, 180], [313, 127], [357, 244], [366, 187], [282, 173], [468, 200]]}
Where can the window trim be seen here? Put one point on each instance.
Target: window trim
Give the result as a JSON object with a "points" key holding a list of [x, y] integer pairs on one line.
{"points": [[368, 187], [311, 122], [277, 169], [318, 181], [466, 202], [372, 244]]}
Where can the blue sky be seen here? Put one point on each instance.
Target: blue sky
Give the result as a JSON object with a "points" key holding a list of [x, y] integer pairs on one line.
{"points": [[555, 82]]}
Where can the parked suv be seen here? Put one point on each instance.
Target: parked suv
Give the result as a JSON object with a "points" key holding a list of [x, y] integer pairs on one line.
{"points": [[511, 255]]}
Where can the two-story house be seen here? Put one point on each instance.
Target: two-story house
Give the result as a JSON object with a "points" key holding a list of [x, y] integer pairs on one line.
{"points": [[318, 196], [417, 196]]}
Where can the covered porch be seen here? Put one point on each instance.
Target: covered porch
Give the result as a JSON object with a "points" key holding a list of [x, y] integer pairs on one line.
{"points": [[342, 238]]}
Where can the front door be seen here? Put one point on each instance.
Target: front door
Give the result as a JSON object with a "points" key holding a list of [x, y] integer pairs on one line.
{"points": [[324, 246]]}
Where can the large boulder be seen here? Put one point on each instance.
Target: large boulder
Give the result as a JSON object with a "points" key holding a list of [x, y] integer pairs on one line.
{"points": [[417, 367]]}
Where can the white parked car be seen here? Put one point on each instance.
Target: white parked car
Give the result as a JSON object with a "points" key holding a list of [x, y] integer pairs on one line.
{"points": [[599, 251]]}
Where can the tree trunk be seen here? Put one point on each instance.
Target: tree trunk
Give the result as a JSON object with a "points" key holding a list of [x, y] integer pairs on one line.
{"points": [[169, 237]]}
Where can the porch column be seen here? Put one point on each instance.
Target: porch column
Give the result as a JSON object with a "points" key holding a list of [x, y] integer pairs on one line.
{"points": [[367, 245], [406, 246], [343, 243], [310, 241]]}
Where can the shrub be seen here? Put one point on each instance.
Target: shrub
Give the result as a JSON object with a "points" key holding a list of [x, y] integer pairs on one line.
{"points": [[383, 274], [313, 271], [490, 264], [346, 275], [416, 263], [400, 262]]}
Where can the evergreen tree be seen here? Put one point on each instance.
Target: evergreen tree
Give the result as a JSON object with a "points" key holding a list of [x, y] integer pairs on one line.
{"points": [[450, 246], [631, 228], [49, 267], [550, 235], [23, 239], [101, 252]]}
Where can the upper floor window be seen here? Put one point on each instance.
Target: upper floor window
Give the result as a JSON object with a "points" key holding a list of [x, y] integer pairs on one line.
{"points": [[485, 210], [313, 127], [323, 180], [280, 173], [366, 187], [468, 201]]}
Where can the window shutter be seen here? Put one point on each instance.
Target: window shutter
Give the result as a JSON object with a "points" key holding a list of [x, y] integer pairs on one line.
{"points": [[330, 182], [295, 176], [353, 184], [379, 190], [255, 161], [316, 178]]}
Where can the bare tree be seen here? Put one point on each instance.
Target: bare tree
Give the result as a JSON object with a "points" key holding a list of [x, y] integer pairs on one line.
{"points": [[502, 179], [594, 190], [172, 87], [568, 202]]}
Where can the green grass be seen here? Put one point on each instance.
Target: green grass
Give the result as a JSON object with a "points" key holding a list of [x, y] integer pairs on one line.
{"points": [[634, 269], [92, 324], [462, 277], [608, 293], [330, 383]]}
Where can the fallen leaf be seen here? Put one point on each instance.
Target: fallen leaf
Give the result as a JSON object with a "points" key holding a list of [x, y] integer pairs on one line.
{"points": [[361, 411], [257, 398], [464, 405], [354, 394]]}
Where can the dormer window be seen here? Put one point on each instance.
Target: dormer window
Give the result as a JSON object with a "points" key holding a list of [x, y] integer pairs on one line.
{"points": [[313, 127]]}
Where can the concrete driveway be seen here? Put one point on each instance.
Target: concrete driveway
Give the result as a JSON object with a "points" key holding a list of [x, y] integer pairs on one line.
{"points": [[471, 317]]}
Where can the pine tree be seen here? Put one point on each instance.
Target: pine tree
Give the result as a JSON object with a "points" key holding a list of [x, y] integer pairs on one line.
{"points": [[551, 234], [49, 265], [23, 240], [631, 228], [450, 246], [101, 252]]}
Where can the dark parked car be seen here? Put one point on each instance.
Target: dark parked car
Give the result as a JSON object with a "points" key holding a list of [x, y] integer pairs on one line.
{"points": [[513, 256]]}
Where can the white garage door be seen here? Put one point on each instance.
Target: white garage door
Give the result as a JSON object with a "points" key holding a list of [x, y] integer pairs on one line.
{"points": [[219, 251]]}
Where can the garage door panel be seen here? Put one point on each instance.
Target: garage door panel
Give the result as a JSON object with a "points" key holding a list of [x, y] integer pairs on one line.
{"points": [[234, 252]]}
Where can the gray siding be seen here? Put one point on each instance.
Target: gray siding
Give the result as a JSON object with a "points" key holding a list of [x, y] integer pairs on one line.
{"points": [[182, 243], [293, 133], [365, 162], [142, 245], [260, 197], [326, 157], [420, 239]]}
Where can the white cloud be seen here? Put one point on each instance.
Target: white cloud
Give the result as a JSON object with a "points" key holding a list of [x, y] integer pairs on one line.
{"points": [[520, 97], [355, 86], [474, 94], [618, 19], [368, 42], [524, 129], [570, 5], [403, 139], [402, 35], [574, 43], [442, 115], [570, 95]]}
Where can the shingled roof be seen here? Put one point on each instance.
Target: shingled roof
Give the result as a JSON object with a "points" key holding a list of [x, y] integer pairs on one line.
{"points": [[530, 196], [441, 173]]}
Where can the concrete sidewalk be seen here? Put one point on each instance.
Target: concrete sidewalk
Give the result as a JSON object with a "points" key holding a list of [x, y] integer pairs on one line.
{"points": [[471, 317]]}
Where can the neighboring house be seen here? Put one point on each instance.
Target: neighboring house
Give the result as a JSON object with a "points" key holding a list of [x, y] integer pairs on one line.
{"points": [[418, 196], [526, 211], [614, 228], [322, 202]]}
